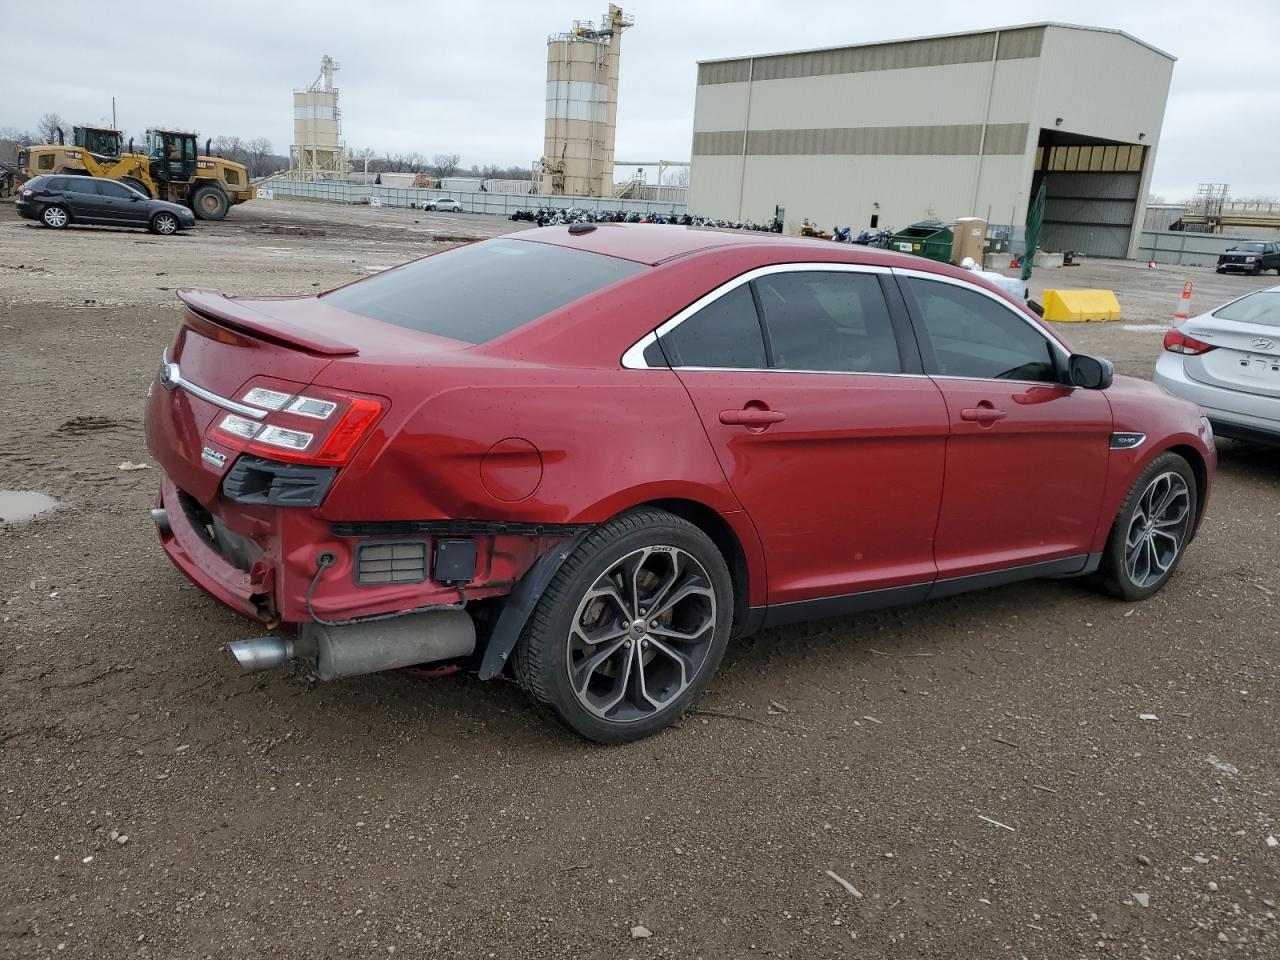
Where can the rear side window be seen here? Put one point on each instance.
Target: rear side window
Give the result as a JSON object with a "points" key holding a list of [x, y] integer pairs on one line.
{"points": [[836, 322], [976, 338], [1262, 307], [483, 290], [725, 334], [80, 185]]}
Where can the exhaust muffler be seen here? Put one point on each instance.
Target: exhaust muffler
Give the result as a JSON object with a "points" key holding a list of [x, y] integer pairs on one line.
{"points": [[352, 649]]}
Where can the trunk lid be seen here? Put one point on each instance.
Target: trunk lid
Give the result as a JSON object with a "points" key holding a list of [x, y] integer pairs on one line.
{"points": [[1247, 357], [227, 344]]}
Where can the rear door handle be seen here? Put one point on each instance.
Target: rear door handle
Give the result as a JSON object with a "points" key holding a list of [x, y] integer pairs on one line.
{"points": [[984, 413], [751, 417]]}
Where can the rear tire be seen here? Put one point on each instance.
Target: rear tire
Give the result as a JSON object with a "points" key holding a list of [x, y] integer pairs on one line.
{"points": [[55, 216], [1151, 531], [165, 224], [631, 628], [210, 203]]}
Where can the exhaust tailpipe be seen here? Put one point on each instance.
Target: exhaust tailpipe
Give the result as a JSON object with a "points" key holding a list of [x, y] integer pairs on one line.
{"points": [[161, 519], [262, 653]]}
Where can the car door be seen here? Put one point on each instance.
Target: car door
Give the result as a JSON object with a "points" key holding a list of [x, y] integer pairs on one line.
{"points": [[813, 397], [120, 204], [1027, 455], [83, 199]]}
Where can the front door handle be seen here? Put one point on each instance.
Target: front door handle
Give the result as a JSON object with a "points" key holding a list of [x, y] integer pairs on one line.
{"points": [[751, 416], [984, 413]]}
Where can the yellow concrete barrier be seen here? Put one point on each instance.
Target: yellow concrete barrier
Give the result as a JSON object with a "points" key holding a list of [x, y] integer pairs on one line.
{"points": [[1073, 306]]}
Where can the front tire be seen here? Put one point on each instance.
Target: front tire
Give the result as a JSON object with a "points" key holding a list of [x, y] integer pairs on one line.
{"points": [[1151, 531], [165, 224], [55, 216], [631, 628], [210, 203]]}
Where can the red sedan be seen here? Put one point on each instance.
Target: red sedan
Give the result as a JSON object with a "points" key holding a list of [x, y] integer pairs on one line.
{"points": [[594, 455]]}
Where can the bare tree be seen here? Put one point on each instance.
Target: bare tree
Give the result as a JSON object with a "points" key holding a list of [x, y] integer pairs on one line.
{"points": [[445, 164], [677, 177], [258, 157], [51, 128], [232, 148]]}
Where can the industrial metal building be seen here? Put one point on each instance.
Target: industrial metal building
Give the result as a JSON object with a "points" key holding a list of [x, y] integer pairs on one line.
{"points": [[886, 134]]}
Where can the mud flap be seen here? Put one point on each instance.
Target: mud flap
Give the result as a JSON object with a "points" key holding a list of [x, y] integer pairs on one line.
{"points": [[519, 606]]}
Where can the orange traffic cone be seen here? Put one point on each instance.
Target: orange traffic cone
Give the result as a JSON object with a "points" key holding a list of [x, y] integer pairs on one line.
{"points": [[1013, 264], [1184, 304]]}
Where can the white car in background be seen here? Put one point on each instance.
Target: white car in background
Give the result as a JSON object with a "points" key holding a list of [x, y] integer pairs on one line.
{"points": [[1227, 362], [442, 203]]}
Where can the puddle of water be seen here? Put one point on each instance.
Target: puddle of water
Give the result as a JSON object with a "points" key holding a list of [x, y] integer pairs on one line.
{"points": [[18, 505]]}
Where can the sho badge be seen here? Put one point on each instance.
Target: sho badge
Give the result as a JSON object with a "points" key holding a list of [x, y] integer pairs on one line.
{"points": [[213, 457]]}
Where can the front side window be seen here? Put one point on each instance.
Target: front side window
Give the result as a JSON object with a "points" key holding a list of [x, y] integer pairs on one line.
{"points": [[480, 291], [977, 338], [828, 321], [725, 333], [117, 190]]}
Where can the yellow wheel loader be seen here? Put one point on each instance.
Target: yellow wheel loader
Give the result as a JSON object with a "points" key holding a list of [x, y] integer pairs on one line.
{"points": [[170, 169]]}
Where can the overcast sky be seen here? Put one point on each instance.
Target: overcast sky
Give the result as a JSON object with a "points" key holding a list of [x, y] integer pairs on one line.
{"points": [[469, 77]]}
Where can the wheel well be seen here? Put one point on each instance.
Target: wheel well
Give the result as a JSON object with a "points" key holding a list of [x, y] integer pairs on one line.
{"points": [[1201, 472], [726, 541]]}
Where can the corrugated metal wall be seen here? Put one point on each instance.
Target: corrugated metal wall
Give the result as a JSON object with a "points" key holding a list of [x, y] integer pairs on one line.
{"points": [[957, 139], [899, 55], [1090, 212]]}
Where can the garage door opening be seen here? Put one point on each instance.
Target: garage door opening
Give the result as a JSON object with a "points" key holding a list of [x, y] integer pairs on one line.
{"points": [[1092, 196]]}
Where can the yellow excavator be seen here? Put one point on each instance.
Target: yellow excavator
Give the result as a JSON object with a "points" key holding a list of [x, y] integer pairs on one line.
{"points": [[170, 168]]}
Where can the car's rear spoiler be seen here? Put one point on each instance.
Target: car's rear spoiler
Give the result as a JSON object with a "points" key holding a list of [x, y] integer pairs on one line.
{"points": [[283, 324]]}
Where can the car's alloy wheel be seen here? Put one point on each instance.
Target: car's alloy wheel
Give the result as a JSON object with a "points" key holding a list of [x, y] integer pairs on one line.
{"points": [[55, 217], [630, 629], [165, 224], [641, 633], [1152, 529], [1157, 529]]}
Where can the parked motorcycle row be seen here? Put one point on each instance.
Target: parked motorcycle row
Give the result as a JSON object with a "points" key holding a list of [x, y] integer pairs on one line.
{"points": [[553, 216]]}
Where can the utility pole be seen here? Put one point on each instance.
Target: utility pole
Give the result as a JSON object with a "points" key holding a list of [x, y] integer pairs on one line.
{"points": [[113, 113]]}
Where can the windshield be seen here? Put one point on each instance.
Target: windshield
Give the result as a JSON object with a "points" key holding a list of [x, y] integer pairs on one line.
{"points": [[1246, 248], [480, 291], [1262, 308]]}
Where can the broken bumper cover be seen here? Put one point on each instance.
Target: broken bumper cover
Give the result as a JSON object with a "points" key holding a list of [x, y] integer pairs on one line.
{"points": [[246, 592]]}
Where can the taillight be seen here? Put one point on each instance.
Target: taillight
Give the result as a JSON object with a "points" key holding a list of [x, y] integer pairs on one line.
{"points": [[1175, 341], [314, 425]]}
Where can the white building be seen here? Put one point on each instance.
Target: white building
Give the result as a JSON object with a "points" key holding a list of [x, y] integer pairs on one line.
{"points": [[886, 134]]}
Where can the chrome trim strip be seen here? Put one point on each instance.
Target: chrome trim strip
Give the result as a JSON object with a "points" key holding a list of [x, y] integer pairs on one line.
{"points": [[633, 358], [171, 378]]}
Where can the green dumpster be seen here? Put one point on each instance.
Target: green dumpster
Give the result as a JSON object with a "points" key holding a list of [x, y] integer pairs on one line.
{"points": [[928, 238]]}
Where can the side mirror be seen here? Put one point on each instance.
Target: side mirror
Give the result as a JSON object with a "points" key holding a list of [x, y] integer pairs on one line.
{"points": [[1091, 373]]}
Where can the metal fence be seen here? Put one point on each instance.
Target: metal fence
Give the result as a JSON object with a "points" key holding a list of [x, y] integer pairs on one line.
{"points": [[1185, 249], [502, 204]]}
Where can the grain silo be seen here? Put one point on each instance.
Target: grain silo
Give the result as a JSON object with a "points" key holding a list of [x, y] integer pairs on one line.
{"points": [[318, 152], [582, 107]]}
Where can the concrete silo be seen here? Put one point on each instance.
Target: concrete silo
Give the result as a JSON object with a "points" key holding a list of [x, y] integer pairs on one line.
{"points": [[582, 107], [318, 152]]}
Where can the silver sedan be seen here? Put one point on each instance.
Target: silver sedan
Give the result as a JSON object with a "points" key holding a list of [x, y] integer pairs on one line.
{"points": [[1228, 362]]}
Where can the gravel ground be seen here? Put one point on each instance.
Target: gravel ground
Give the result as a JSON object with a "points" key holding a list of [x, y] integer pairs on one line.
{"points": [[977, 768]]}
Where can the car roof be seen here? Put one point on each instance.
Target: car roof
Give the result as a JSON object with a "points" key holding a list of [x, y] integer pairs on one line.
{"points": [[653, 244]]}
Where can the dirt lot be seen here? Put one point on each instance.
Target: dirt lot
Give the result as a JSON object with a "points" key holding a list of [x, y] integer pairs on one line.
{"points": [[269, 817]]}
